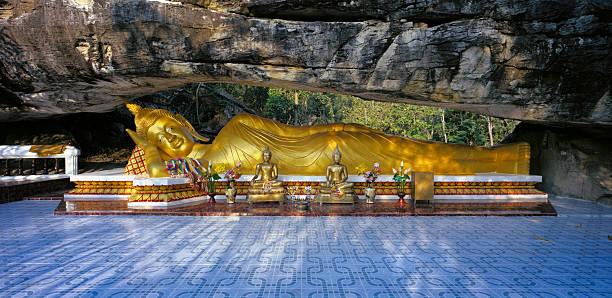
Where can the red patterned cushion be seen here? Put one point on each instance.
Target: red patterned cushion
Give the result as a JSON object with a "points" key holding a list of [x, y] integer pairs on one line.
{"points": [[136, 164]]}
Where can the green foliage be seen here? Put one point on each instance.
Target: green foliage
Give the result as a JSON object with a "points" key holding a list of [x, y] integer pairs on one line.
{"points": [[298, 107], [421, 122], [467, 128], [278, 106], [254, 97]]}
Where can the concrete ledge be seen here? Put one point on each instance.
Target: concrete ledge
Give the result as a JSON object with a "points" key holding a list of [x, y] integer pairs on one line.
{"points": [[165, 205], [32, 178], [101, 178], [138, 181], [494, 178], [531, 198], [95, 198]]}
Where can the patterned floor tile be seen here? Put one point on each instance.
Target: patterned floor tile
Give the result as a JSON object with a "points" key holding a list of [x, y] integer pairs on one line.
{"points": [[126, 256]]}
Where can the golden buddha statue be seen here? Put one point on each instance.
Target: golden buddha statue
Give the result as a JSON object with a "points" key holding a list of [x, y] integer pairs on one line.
{"points": [[164, 136], [335, 189], [303, 149], [265, 186]]}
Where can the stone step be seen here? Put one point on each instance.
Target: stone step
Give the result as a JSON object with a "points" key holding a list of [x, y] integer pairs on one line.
{"points": [[17, 191]]}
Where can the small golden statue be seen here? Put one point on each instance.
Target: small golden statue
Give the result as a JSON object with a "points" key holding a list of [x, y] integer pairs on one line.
{"points": [[335, 189], [265, 186]]}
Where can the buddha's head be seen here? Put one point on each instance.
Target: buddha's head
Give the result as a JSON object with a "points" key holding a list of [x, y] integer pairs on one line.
{"points": [[266, 154], [337, 155], [171, 133]]}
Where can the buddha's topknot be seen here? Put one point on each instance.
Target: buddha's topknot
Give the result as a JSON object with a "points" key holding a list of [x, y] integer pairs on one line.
{"points": [[144, 118]]}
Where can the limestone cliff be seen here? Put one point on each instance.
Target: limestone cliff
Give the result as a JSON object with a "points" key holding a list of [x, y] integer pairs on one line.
{"points": [[573, 161], [541, 60]]}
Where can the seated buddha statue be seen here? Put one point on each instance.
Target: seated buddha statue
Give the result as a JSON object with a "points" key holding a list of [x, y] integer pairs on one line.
{"points": [[335, 189], [164, 135], [265, 186]]}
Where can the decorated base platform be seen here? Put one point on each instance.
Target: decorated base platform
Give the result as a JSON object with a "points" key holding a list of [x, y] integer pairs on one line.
{"points": [[484, 194], [136, 191], [314, 209]]}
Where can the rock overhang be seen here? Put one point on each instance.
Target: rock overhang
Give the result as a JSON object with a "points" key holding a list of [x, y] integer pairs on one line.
{"points": [[531, 61]]}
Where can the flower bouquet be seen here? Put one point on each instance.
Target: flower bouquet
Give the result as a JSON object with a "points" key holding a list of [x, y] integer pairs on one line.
{"points": [[371, 175], [211, 176], [233, 174], [292, 190], [401, 177], [308, 190]]}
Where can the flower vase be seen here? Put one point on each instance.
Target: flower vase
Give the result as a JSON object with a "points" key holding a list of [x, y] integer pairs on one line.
{"points": [[370, 193], [211, 198], [211, 192], [230, 193], [401, 201]]}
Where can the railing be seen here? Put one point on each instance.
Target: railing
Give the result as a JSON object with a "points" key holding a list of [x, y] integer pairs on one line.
{"points": [[22, 153]]}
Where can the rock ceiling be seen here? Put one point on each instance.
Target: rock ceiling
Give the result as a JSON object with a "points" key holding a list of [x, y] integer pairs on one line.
{"points": [[546, 61]]}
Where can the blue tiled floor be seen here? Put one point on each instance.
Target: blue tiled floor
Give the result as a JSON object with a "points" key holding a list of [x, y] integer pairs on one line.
{"points": [[126, 256]]}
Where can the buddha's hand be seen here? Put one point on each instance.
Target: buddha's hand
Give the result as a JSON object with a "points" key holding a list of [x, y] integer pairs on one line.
{"points": [[156, 167], [140, 141]]}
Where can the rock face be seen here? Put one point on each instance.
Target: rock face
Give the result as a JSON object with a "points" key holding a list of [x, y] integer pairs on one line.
{"points": [[104, 133], [573, 161], [540, 60]]}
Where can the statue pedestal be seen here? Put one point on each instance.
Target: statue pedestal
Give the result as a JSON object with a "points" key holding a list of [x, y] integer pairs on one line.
{"points": [[276, 194], [269, 197], [347, 198]]}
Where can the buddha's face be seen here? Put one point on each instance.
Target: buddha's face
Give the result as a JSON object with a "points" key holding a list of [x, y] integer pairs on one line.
{"points": [[170, 137], [337, 158], [266, 156]]}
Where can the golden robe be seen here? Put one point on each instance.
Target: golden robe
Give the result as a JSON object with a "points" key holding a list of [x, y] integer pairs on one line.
{"points": [[307, 150]]}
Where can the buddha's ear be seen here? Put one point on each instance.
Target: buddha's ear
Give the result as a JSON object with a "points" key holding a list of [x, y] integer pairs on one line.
{"points": [[190, 128], [199, 137]]}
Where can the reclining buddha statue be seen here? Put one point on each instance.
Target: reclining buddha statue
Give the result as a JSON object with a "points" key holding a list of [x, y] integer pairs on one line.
{"points": [[265, 186], [335, 189], [164, 136], [304, 150]]}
